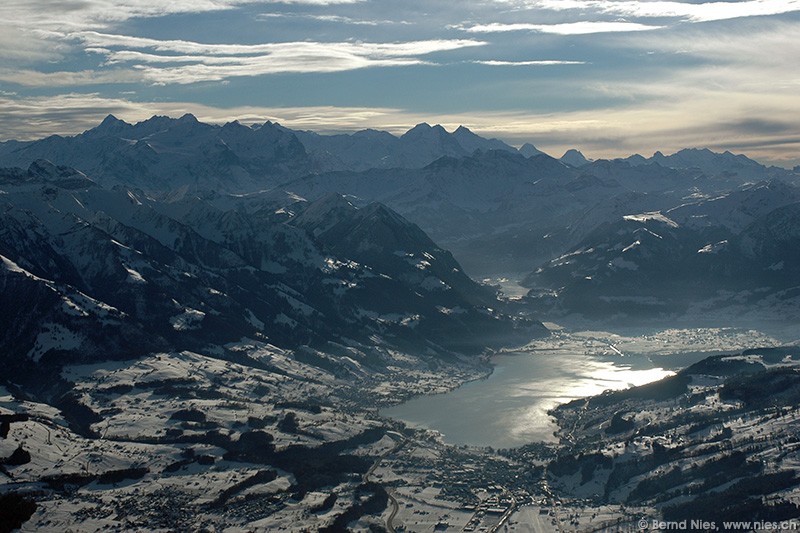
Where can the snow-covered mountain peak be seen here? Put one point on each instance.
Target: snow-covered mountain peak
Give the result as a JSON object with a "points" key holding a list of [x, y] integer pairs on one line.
{"points": [[111, 125], [422, 127], [529, 150], [574, 157], [425, 133], [154, 124], [111, 120]]}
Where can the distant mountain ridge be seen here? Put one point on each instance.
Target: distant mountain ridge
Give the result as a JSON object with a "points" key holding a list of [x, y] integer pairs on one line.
{"points": [[166, 153], [162, 153], [498, 209], [418, 147]]}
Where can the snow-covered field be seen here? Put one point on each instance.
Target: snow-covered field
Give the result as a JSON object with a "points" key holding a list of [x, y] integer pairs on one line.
{"points": [[150, 448], [155, 456]]}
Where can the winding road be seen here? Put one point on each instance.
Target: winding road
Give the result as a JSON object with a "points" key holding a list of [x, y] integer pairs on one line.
{"points": [[392, 499]]}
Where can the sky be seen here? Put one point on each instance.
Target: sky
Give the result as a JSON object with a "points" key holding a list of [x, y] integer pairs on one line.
{"points": [[609, 77]]}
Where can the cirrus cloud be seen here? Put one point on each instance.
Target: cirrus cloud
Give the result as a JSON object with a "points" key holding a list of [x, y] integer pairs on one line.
{"points": [[566, 28], [83, 14], [184, 62], [34, 29], [696, 12], [530, 63]]}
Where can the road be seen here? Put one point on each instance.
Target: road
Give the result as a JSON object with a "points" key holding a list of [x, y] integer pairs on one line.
{"points": [[392, 499], [395, 508], [506, 515]]}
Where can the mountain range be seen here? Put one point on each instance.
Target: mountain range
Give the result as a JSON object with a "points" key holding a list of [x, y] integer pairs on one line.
{"points": [[199, 323], [733, 255], [499, 210], [89, 271]]}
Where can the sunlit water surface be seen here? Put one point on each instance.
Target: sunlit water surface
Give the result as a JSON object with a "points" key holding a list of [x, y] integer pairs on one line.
{"points": [[509, 408]]}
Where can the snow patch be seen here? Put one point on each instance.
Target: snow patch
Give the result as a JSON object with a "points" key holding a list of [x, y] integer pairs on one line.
{"points": [[189, 320], [79, 304], [133, 276], [117, 243], [631, 246], [410, 321], [450, 310], [11, 266], [71, 308], [54, 337], [561, 260], [331, 265], [713, 248], [652, 215], [133, 198], [341, 286]]}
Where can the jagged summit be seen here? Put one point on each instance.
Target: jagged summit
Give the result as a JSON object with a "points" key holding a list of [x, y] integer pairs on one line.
{"points": [[111, 120], [420, 129], [163, 153], [424, 132], [636, 160], [574, 158], [471, 141], [529, 150], [110, 125]]}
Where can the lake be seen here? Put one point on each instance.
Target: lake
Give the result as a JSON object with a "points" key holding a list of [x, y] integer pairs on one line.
{"points": [[509, 408]]}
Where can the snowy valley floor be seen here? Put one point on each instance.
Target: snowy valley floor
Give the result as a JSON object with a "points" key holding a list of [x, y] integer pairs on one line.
{"points": [[184, 441]]}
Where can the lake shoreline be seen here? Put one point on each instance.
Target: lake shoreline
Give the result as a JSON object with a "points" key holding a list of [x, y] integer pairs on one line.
{"points": [[509, 406]]}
